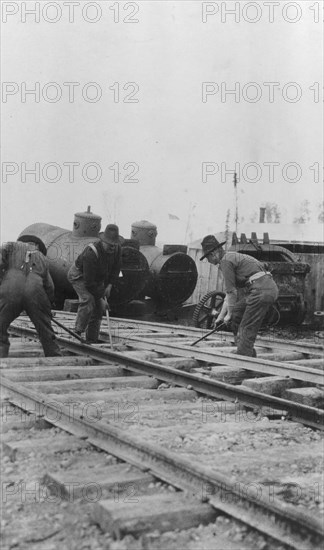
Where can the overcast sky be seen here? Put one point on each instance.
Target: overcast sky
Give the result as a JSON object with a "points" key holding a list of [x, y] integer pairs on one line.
{"points": [[154, 136]]}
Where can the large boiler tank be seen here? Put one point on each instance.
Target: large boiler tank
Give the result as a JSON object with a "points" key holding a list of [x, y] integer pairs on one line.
{"points": [[173, 274], [63, 247]]}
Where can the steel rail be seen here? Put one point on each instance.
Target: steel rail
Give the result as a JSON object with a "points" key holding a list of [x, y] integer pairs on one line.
{"points": [[304, 414], [278, 368], [262, 341], [305, 347], [219, 491]]}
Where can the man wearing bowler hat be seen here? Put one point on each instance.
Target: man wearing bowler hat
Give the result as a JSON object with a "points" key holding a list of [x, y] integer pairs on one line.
{"points": [[26, 285], [92, 276], [241, 270]]}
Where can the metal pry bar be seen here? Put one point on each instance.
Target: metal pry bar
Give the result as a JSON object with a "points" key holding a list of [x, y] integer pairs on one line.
{"points": [[69, 330], [208, 334], [108, 323]]}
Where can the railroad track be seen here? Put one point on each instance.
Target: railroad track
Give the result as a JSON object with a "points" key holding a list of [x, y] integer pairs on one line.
{"points": [[194, 423]]}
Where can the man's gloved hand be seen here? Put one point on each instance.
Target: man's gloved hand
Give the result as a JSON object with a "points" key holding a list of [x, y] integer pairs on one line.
{"points": [[218, 323], [227, 319], [108, 291], [104, 305]]}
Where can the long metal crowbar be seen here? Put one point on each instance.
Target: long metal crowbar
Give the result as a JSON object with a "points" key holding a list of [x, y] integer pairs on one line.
{"points": [[82, 340], [108, 323], [208, 334]]}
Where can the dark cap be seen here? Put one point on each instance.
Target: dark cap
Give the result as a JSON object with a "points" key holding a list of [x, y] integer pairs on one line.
{"points": [[209, 244], [33, 239], [111, 234]]}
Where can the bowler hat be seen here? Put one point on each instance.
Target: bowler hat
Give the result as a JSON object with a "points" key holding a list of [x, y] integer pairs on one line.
{"points": [[33, 239], [111, 234], [209, 244]]}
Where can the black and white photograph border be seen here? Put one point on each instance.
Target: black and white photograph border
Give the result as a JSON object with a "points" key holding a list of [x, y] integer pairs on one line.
{"points": [[161, 274]]}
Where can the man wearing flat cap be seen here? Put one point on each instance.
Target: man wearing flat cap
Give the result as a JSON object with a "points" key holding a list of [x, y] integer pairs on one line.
{"points": [[26, 285], [241, 270], [92, 276]]}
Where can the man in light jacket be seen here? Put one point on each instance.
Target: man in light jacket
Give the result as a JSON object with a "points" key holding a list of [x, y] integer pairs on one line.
{"points": [[241, 270]]}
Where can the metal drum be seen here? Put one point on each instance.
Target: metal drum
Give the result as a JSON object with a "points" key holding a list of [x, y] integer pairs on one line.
{"points": [[173, 274]]}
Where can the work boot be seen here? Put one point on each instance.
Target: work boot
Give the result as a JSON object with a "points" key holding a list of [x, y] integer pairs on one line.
{"points": [[81, 335], [254, 354], [4, 350]]}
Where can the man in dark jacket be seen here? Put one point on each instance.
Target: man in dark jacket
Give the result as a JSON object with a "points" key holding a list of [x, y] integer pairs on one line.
{"points": [[92, 276], [26, 285], [241, 270]]}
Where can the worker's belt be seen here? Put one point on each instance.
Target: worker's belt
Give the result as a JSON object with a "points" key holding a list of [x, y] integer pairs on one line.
{"points": [[257, 276]]}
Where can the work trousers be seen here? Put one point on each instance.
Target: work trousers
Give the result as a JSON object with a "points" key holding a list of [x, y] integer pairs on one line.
{"points": [[89, 312], [249, 312], [19, 292]]}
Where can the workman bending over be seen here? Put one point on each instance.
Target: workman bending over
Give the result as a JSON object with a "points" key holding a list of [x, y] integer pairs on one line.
{"points": [[240, 270], [26, 285], [92, 275]]}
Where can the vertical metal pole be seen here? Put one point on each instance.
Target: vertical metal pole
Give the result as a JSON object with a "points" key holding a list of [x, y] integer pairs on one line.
{"points": [[236, 201], [109, 328]]}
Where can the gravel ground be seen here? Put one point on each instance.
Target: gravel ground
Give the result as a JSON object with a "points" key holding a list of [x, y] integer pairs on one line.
{"points": [[32, 521]]}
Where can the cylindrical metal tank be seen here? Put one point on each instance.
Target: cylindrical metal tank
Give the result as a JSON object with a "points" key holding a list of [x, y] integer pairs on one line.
{"points": [[173, 274], [86, 224], [144, 233], [64, 246]]}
